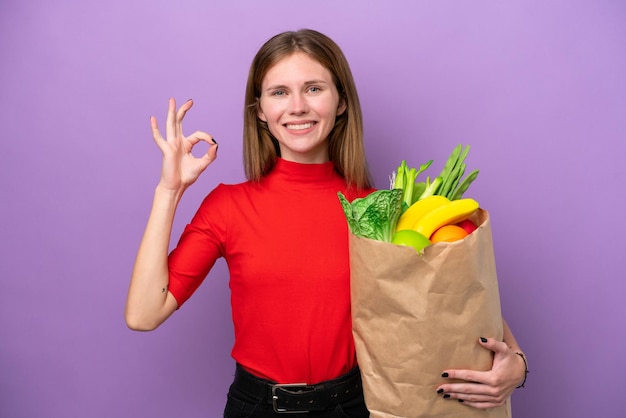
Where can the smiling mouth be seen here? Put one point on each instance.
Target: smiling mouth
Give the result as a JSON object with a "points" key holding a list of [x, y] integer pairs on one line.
{"points": [[299, 126]]}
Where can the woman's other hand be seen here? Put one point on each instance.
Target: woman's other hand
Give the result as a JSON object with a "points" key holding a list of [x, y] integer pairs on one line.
{"points": [[149, 303], [486, 389], [180, 167]]}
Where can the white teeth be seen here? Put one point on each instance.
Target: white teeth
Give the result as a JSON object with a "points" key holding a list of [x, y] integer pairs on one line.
{"points": [[300, 126]]}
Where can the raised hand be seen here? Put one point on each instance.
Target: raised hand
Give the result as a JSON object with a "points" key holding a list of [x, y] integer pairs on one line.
{"points": [[180, 167]]}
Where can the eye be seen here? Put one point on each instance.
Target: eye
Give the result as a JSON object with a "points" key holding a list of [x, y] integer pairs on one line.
{"points": [[314, 89], [278, 93]]}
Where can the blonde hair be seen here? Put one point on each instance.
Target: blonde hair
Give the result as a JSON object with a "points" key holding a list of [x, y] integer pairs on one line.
{"points": [[346, 149]]}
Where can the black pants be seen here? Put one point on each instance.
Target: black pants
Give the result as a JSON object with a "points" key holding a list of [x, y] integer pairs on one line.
{"points": [[244, 405]]}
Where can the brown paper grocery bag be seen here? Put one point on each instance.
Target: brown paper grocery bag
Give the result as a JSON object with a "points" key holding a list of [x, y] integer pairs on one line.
{"points": [[417, 315]]}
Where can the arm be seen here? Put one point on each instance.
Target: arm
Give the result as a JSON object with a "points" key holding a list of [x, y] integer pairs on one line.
{"points": [[491, 388], [149, 303]]}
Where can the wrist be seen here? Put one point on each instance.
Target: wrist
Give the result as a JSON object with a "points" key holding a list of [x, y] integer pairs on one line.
{"points": [[523, 357], [165, 192]]}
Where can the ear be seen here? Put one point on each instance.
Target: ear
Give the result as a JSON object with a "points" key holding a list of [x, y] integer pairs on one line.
{"points": [[259, 111], [342, 107]]}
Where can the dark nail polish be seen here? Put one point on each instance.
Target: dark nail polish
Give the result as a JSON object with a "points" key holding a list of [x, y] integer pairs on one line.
{"points": [[214, 141], [440, 391], [483, 339], [444, 375], [460, 400], [446, 396]]}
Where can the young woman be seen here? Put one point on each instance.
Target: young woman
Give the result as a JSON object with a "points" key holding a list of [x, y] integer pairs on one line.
{"points": [[284, 237]]}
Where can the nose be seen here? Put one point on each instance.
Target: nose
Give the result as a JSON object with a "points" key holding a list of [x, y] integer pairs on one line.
{"points": [[298, 104]]}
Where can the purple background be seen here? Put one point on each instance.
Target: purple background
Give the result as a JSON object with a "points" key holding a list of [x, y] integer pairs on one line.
{"points": [[538, 89]]}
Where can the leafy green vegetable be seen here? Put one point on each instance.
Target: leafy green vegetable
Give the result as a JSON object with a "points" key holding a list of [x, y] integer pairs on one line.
{"points": [[430, 188], [374, 216], [418, 190], [452, 186], [464, 185], [448, 183], [404, 178]]}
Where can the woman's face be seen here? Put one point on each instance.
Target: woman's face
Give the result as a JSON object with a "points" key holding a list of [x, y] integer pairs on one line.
{"points": [[299, 102]]}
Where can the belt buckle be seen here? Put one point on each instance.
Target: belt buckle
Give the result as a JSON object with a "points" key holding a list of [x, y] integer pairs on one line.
{"points": [[287, 386]]}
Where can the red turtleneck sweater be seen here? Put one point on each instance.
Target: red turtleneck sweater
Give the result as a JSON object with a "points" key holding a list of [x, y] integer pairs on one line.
{"points": [[285, 240]]}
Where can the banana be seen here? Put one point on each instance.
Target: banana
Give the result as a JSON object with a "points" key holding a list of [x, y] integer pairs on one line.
{"points": [[417, 210], [453, 212]]}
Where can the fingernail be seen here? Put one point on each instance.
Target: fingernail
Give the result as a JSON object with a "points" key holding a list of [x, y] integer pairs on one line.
{"points": [[189, 100], [214, 141], [460, 400], [440, 391], [483, 339], [444, 375], [446, 396]]}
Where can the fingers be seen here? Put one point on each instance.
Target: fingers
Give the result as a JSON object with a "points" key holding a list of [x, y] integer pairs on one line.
{"points": [[211, 153], [479, 401], [170, 121], [480, 389], [156, 134], [470, 397], [173, 122], [198, 136], [174, 132], [498, 347], [180, 115], [473, 394], [494, 345], [473, 376], [478, 404]]}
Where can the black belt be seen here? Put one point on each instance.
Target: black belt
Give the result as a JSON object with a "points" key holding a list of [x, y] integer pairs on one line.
{"points": [[300, 397]]}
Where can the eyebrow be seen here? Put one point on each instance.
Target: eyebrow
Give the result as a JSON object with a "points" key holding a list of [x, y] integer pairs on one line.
{"points": [[306, 83]]}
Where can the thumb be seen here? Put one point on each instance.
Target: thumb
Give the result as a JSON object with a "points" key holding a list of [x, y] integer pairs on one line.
{"points": [[493, 345], [208, 157], [211, 154]]}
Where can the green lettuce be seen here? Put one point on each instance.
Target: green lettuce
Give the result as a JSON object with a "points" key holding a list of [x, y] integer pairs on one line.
{"points": [[374, 216]]}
